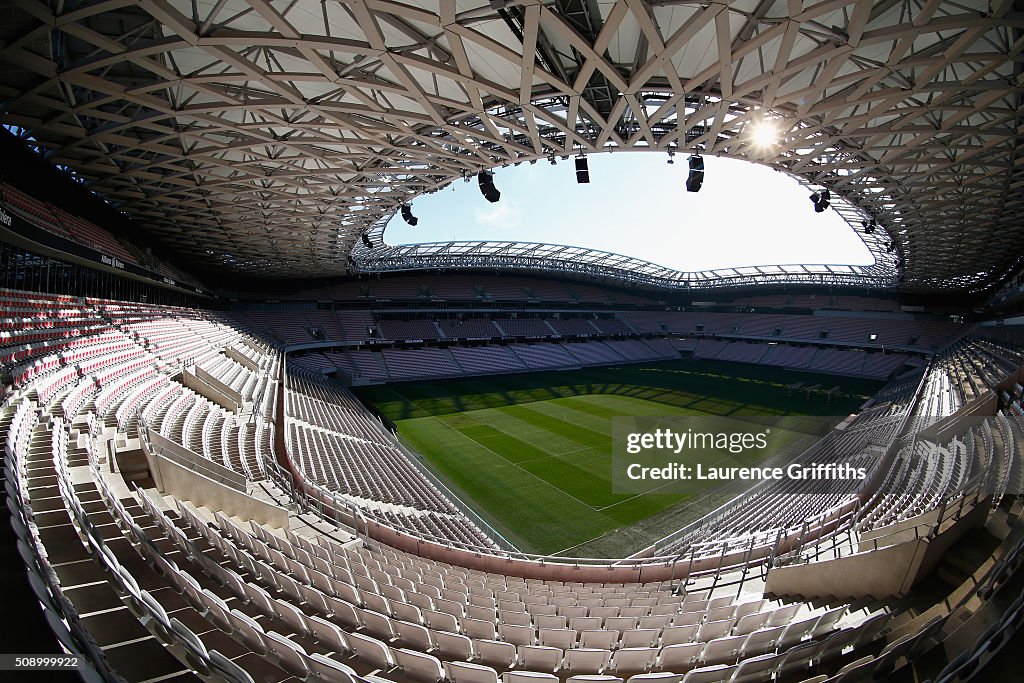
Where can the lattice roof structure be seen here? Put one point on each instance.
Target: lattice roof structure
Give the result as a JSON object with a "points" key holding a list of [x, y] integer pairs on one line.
{"points": [[268, 135]]}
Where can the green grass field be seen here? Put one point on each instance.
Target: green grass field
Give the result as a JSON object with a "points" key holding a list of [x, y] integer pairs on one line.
{"points": [[532, 452]]}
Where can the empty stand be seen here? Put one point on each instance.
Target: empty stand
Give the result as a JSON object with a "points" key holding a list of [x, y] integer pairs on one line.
{"points": [[184, 588]]}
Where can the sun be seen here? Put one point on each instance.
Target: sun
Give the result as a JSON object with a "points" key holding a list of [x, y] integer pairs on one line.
{"points": [[765, 133]]}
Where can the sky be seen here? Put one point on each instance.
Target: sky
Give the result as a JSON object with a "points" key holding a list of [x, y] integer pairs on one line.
{"points": [[636, 204]]}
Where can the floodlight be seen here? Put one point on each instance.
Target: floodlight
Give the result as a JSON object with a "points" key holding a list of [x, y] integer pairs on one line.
{"points": [[821, 200]]}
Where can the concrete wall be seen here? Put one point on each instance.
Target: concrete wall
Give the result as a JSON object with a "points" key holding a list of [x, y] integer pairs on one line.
{"points": [[881, 573], [252, 343], [241, 359], [204, 384], [156, 444], [596, 570], [945, 429], [952, 530], [1016, 377], [890, 571], [232, 395], [189, 485], [907, 530]]}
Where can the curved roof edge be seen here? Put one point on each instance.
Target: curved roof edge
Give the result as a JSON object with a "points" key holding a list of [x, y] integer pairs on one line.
{"points": [[536, 256]]}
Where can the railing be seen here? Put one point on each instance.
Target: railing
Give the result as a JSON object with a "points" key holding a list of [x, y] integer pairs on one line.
{"points": [[197, 464], [700, 557], [948, 510], [706, 521], [884, 463], [709, 558]]}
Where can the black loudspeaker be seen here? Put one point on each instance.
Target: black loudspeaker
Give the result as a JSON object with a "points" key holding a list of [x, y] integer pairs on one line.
{"points": [[695, 179], [407, 215], [582, 170], [487, 188]]}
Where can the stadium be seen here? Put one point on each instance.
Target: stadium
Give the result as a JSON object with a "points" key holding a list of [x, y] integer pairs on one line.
{"points": [[254, 434]]}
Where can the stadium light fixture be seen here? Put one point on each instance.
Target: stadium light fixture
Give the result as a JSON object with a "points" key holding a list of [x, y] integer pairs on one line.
{"points": [[696, 176], [821, 200], [407, 215], [487, 188]]}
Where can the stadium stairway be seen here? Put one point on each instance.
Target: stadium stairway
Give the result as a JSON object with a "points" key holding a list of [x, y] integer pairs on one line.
{"points": [[23, 627], [127, 647], [178, 608], [631, 325], [972, 551], [454, 361]]}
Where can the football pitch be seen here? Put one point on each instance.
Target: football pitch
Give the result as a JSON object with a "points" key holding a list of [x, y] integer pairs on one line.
{"points": [[532, 453]]}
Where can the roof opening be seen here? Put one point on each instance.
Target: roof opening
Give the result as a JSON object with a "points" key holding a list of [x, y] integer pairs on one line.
{"points": [[745, 214]]}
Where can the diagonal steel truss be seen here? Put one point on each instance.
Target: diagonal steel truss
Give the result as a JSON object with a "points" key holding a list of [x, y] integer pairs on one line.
{"points": [[266, 136]]}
